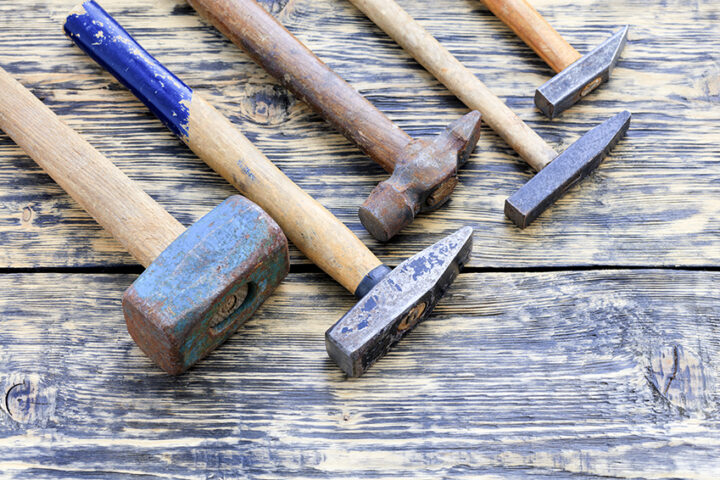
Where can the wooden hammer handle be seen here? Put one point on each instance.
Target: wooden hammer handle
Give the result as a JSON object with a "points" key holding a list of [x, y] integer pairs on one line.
{"points": [[108, 195], [410, 35], [273, 47], [535, 31], [310, 226]]}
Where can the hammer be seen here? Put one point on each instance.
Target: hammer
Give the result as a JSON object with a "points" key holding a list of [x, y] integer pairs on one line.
{"points": [[556, 172], [391, 302], [577, 75], [424, 171], [200, 284]]}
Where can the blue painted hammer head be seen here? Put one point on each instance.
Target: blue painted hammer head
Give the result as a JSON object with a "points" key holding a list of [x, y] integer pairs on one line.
{"points": [[397, 301], [206, 284]]}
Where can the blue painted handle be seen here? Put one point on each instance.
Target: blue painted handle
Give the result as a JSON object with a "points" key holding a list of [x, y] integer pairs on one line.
{"points": [[106, 42]]}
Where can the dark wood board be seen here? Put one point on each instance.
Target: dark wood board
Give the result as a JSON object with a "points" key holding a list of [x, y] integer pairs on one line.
{"points": [[654, 201], [550, 374]]}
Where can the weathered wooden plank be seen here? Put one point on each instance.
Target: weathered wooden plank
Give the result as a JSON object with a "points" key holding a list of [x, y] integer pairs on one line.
{"points": [[557, 374], [655, 200]]}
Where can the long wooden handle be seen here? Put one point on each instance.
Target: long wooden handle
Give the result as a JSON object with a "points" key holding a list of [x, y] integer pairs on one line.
{"points": [[273, 47], [535, 31], [310, 226], [108, 195], [399, 25]]}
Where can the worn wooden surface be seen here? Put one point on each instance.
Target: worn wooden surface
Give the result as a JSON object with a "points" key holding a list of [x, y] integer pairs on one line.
{"points": [[554, 374], [577, 372]]}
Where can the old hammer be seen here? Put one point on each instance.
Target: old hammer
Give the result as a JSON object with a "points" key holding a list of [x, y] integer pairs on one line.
{"points": [[424, 171], [200, 284], [391, 302], [577, 75], [556, 172]]}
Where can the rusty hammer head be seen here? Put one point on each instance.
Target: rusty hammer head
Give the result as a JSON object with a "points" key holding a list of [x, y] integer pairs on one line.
{"points": [[207, 283], [581, 77], [423, 179], [567, 169], [395, 301]]}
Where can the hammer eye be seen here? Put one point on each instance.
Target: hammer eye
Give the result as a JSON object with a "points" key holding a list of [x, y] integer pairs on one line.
{"points": [[231, 306]]}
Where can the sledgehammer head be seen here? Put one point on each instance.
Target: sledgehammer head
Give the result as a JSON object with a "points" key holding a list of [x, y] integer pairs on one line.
{"points": [[423, 178], [581, 77], [571, 166], [206, 284], [398, 302]]}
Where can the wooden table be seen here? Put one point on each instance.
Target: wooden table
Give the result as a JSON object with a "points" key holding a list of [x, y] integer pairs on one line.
{"points": [[585, 346]]}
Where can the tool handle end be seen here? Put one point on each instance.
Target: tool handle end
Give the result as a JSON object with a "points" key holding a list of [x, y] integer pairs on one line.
{"points": [[105, 41]]}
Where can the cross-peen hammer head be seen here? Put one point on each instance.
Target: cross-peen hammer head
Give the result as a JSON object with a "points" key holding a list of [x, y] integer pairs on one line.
{"points": [[581, 77], [206, 284], [568, 168], [396, 303], [423, 180]]}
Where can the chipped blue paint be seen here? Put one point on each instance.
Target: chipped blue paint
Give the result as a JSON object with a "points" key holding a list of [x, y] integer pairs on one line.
{"points": [[171, 308], [370, 304], [106, 42], [371, 327]]}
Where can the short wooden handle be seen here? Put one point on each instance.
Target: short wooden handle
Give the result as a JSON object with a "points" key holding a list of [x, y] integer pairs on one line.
{"points": [[535, 31], [107, 194], [410, 35], [312, 228], [273, 47]]}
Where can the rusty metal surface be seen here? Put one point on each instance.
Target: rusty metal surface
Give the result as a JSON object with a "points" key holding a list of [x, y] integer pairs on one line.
{"points": [[400, 301], [570, 167], [582, 77], [423, 180], [206, 284]]}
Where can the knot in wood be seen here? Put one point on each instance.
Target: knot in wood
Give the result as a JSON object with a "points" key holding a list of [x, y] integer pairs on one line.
{"points": [[267, 104], [27, 401], [274, 6], [677, 374], [27, 214]]}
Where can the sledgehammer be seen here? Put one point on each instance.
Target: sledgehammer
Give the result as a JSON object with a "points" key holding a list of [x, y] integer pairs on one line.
{"points": [[556, 173], [577, 75], [391, 302], [200, 284]]}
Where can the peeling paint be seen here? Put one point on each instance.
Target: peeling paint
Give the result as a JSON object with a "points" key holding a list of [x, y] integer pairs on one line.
{"points": [[117, 52]]}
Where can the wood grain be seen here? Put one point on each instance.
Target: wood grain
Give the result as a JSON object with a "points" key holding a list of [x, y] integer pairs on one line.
{"points": [[460, 80], [133, 218], [516, 374], [654, 201], [535, 31], [309, 226]]}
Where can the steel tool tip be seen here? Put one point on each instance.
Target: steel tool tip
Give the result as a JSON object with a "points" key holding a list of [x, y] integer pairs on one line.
{"points": [[571, 166], [582, 77], [401, 300]]}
